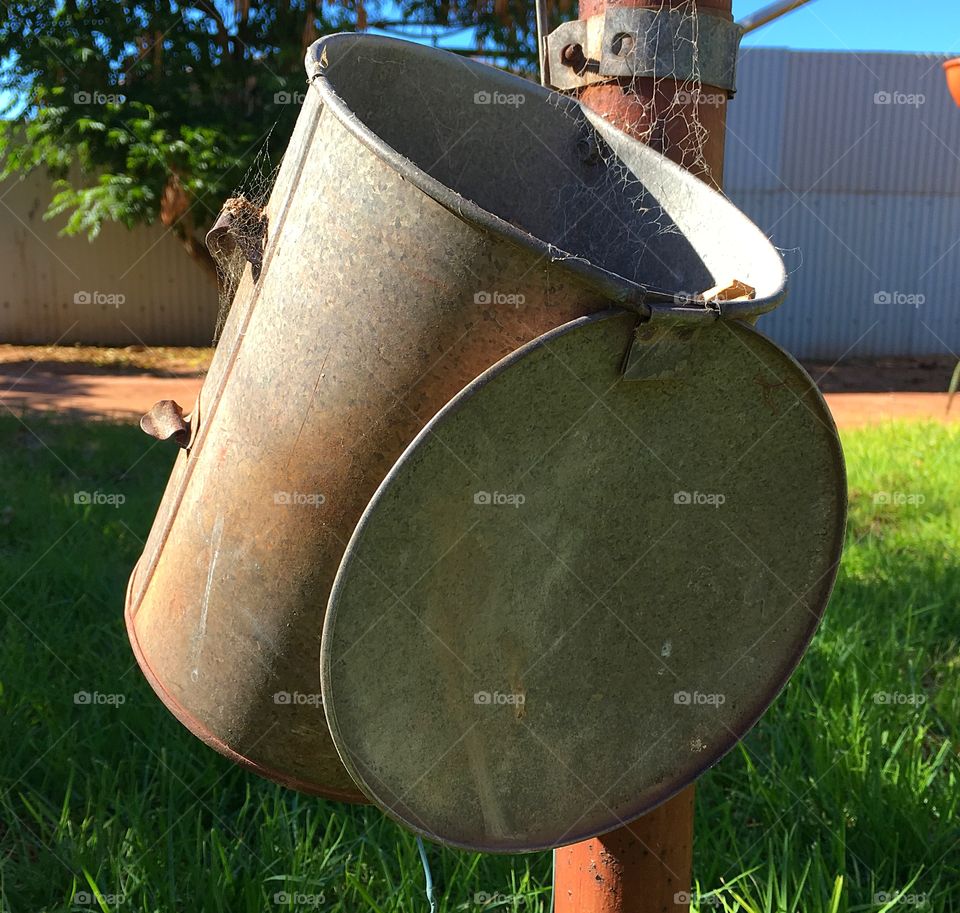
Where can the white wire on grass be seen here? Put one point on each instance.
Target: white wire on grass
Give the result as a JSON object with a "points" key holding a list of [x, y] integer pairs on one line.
{"points": [[428, 877]]}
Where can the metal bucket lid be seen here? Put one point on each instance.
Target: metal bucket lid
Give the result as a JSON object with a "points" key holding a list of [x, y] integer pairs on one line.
{"points": [[576, 591], [535, 167]]}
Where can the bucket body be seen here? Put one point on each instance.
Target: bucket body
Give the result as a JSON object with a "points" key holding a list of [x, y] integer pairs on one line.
{"points": [[425, 223]]}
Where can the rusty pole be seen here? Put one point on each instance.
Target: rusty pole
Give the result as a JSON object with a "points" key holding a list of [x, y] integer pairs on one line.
{"points": [[641, 868], [649, 109], [645, 867]]}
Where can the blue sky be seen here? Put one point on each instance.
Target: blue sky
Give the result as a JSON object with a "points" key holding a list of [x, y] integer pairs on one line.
{"points": [[857, 25], [931, 26], [862, 25]]}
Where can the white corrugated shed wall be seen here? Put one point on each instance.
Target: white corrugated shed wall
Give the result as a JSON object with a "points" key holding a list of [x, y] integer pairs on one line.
{"points": [[863, 197], [850, 162], [68, 289]]}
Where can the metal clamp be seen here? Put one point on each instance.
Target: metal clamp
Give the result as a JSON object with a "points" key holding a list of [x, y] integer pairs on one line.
{"points": [[628, 42]]}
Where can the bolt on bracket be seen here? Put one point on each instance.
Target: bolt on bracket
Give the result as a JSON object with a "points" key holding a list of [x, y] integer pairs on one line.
{"points": [[628, 42]]}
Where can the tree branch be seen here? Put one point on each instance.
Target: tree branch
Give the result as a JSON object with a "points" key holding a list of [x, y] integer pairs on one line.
{"points": [[223, 34]]}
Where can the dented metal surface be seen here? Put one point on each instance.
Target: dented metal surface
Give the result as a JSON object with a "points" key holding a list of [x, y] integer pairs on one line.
{"points": [[417, 236]]}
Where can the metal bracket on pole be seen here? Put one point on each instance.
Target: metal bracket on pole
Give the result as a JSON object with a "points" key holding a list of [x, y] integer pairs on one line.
{"points": [[630, 42]]}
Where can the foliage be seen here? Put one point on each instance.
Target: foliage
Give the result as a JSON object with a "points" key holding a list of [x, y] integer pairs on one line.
{"points": [[155, 108]]}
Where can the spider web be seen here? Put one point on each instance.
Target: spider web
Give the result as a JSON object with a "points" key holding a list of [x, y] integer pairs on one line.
{"points": [[671, 113], [668, 119], [666, 111], [250, 196]]}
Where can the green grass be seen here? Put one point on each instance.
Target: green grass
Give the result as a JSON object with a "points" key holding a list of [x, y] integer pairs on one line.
{"points": [[832, 800]]}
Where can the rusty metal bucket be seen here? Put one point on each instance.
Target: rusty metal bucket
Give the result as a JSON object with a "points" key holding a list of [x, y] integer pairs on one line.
{"points": [[431, 216]]}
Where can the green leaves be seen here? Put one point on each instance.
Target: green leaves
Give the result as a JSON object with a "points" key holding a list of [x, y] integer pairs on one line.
{"points": [[118, 99], [954, 383], [114, 198]]}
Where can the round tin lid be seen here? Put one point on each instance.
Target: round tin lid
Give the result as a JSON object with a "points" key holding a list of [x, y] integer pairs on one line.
{"points": [[583, 582]]}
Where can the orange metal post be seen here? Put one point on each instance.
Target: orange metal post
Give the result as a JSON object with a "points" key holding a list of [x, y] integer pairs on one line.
{"points": [[641, 868], [645, 867]]}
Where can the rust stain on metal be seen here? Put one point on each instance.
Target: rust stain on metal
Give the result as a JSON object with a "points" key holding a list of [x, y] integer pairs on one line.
{"points": [[768, 389]]}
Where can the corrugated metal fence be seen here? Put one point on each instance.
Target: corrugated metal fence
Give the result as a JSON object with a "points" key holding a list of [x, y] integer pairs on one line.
{"points": [[126, 288], [851, 163]]}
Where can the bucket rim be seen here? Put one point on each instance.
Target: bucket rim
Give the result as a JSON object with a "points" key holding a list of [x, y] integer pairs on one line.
{"points": [[614, 287]]}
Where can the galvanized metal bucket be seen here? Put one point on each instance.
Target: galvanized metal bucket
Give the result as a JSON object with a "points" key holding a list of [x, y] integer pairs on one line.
{"points": [[431, 216]]}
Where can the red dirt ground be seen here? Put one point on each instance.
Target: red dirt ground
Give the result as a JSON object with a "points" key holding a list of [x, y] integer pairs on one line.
{"points": [[852, 410], [46, 380], [89, 394]]}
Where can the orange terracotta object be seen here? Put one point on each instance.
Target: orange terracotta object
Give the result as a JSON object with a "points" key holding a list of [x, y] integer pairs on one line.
{"points": [[952, 69]]}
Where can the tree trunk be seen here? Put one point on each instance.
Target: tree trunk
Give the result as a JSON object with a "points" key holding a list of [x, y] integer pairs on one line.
{"points": [[198, 251]]}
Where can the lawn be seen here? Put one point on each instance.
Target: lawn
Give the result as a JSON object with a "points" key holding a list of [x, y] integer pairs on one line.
{"points": [[844, 798]]}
